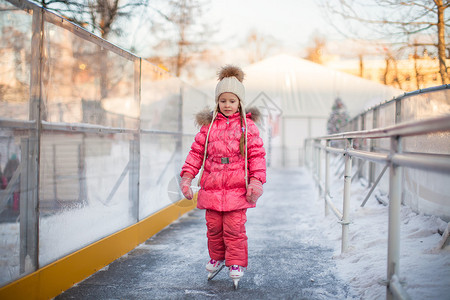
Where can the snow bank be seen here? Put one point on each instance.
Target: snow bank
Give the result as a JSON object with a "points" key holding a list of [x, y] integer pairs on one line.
{"points": [[424, 269]]}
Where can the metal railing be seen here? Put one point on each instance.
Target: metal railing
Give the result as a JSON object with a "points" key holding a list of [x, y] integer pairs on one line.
{"points": [[395, 160]]}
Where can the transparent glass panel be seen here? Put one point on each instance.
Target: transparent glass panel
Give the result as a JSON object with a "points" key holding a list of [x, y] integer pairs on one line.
{"points": [[160, 100], [193, 102], [86, 83], [160, 165], [15, 58], [10, 193], [84, 191], [368, 123], [438, 143], [188, 139], [15, 65], [424, 106], [427, 192], [162, 121], [386, 117]]}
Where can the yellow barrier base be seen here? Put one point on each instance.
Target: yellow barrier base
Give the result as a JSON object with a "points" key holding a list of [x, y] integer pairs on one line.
{"points": [[62, 274]]}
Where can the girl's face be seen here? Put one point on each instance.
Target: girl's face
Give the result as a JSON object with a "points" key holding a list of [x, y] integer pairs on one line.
{"points": [[228, 103]]}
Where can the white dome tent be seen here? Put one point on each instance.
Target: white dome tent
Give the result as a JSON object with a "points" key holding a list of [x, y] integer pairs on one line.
{"points": [[299, 94]]}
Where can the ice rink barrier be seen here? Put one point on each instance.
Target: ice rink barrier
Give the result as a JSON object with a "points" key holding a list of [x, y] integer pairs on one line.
{"points": [[91, 143]]}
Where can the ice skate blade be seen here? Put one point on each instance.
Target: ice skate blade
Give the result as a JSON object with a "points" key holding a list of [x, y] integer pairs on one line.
{"points": [[211, 275], [236, 283]]}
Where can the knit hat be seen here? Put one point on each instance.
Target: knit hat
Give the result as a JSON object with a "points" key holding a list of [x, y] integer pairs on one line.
{"points": [[230, 81]]}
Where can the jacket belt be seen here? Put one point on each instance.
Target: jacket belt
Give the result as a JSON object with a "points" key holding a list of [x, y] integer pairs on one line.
{"points": [[225, 160]]}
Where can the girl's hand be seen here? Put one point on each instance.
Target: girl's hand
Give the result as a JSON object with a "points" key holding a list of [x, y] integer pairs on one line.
{"points": [[254, 190], [185, 185]]}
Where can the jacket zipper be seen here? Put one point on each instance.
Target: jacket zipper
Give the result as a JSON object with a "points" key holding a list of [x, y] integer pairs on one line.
{"points": [[225, 167]]}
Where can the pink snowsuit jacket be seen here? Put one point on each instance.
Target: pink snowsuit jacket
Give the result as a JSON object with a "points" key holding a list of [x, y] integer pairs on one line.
{"points": [[223, 184]]}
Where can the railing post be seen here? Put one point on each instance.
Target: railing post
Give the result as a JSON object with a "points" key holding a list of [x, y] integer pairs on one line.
{"points": [[327, 176], [346, 205], [135, 147], [319, 163], [305, 153], [29, 230], [372, 167], [30, 151], [314, 160], [395, 193], [133, 177], [362, 145]]}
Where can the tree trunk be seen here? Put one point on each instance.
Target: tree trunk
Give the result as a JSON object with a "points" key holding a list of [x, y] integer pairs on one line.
{"points": [[441, 42], [361, 66], [386, 71], [397, 75], [416, 70], [179, 63]]}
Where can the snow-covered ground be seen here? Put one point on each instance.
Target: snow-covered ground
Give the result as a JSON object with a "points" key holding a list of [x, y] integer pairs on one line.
{"points": [[424, 268]]}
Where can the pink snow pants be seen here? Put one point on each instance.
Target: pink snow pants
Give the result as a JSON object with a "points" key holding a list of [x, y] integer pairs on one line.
{"points": [[227, 238]]}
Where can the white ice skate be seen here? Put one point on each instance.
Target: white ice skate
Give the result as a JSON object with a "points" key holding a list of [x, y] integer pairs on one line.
{"points": [[236, 272], [214, 267]]}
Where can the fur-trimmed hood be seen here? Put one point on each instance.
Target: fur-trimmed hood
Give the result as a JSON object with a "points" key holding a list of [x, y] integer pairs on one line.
{"points": [[204, 117]]}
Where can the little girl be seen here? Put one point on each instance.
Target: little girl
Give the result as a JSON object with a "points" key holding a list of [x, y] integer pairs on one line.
{"points": [[231, 153]]}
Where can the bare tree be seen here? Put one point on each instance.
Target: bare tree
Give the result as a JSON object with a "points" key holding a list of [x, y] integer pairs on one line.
{"points": [[417, 71], [97, 16], [398, 21], [101, 18], [179, 34], [259, 46], [13, 43], [391, 74]]}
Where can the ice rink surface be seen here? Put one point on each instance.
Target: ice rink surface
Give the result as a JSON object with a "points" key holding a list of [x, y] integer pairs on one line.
{"points": [[282, 263]]}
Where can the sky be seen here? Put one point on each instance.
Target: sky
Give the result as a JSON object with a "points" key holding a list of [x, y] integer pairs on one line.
{"points": [[292, 22]]}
